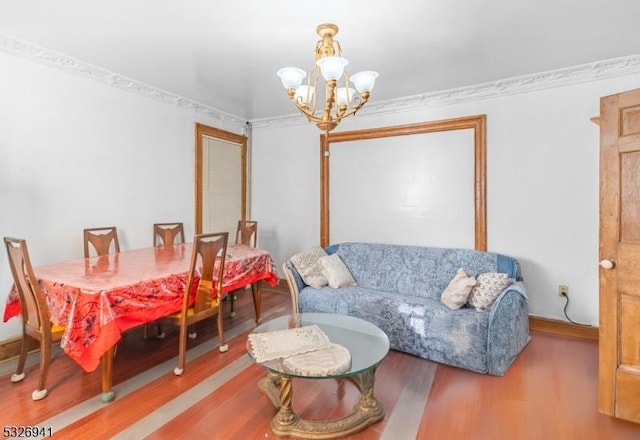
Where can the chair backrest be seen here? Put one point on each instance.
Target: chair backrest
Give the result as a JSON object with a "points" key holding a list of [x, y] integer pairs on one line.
{"points": [[101, 240], [206, 269], [35, 312], [165, 234], [247, 233]]}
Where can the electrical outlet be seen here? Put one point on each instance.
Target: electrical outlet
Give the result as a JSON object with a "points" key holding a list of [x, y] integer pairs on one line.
{"points": [[563, 290]]}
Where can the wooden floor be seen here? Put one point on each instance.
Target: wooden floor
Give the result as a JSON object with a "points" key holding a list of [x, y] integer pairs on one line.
{"points": [[550, 392]]}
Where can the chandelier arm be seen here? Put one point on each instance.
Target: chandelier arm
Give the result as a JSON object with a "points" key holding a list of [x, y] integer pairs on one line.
{"points": [[350, 112], [310, 115]]}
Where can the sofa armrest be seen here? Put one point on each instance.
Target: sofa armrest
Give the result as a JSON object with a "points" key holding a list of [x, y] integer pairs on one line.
{"points": [[295, 283], [508, 331]]}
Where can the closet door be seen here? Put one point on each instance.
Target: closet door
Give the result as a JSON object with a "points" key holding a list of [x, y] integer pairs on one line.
{"points": [[221, 180], [619, 372]]}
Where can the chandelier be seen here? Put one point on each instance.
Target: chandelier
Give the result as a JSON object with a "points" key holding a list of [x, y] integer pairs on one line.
{"points": [[341, 100]]}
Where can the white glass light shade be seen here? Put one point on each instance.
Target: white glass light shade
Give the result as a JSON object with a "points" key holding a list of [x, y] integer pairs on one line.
{"points": [[364, 81], [304, 94], [332, 67], [291, 77], [344, 96]]}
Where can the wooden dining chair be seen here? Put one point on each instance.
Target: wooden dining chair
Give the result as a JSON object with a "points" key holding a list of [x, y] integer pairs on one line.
{"points": [[247, 234], [35, 313], [165, 234], [205, 277], [101, 239]]}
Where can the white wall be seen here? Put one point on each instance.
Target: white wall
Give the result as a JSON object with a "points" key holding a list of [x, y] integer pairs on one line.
{"points": [[75, 153], [542, 186], [426, 197]]}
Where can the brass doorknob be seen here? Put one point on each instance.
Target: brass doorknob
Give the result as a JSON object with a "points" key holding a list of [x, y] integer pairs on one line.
{"points": [[607, 264]]}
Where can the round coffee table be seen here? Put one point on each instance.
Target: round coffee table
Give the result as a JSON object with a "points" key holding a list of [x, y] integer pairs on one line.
{"points": [[367, 345]]}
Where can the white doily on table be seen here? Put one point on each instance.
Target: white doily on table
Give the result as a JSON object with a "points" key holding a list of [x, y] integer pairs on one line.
{"points": [[335, 359], [284, 343]]}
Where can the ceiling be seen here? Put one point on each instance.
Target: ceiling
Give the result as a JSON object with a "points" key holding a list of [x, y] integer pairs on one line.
{"points": [[226, 54]]}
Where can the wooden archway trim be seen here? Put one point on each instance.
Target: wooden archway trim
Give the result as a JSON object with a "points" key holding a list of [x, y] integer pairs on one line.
{"points": [[477, 123]]}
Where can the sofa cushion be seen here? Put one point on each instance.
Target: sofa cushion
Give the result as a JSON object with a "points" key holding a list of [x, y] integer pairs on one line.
{"points": [[489, 286], [458, 290], [336, 272], [412, 270], [309, 268]]}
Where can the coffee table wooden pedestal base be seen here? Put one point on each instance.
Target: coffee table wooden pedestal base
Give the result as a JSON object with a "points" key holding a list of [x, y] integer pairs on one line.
{"points": [[278, 388]]}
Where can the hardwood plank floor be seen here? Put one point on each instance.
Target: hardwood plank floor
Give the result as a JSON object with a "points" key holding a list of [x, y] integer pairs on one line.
{"points": [[550, 392]]}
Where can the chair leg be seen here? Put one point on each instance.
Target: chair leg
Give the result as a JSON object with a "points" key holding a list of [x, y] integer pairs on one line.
{"points": [[223, 346], [145, 332], [19, 374], [159, 333], [192, 331], [182, 350], [254, 293], [45, 358], [232, 299]]}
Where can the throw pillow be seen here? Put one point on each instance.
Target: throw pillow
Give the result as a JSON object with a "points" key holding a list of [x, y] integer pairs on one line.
{"points": [[458, 290], [308, 266], [335, 271], [489, 286]]}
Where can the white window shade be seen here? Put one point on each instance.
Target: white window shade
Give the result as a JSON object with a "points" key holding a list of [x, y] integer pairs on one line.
{"points": [[221, 186]]}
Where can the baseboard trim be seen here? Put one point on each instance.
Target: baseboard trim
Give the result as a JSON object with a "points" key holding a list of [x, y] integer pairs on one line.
{"points": [[11, 348], [562, 328]]}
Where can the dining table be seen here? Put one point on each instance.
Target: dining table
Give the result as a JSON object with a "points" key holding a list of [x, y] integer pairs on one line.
{"points": [[97, 299]]}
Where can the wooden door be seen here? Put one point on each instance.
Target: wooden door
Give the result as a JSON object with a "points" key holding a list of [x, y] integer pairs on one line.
{"points": [[619, 354]]}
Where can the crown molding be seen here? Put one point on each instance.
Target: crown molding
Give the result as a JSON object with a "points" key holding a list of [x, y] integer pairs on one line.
{"points": [[57, 60], [510, 86], [493, 89]]}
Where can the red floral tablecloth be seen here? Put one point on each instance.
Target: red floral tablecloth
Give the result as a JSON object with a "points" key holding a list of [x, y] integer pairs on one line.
{"points": [[99, 298]]}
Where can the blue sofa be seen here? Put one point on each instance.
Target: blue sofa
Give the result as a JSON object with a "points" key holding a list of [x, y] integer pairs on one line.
{"points": [[398, 289]]}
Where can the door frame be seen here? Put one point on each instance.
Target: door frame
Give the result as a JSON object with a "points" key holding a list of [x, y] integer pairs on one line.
{"points": [[242, 141]]}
